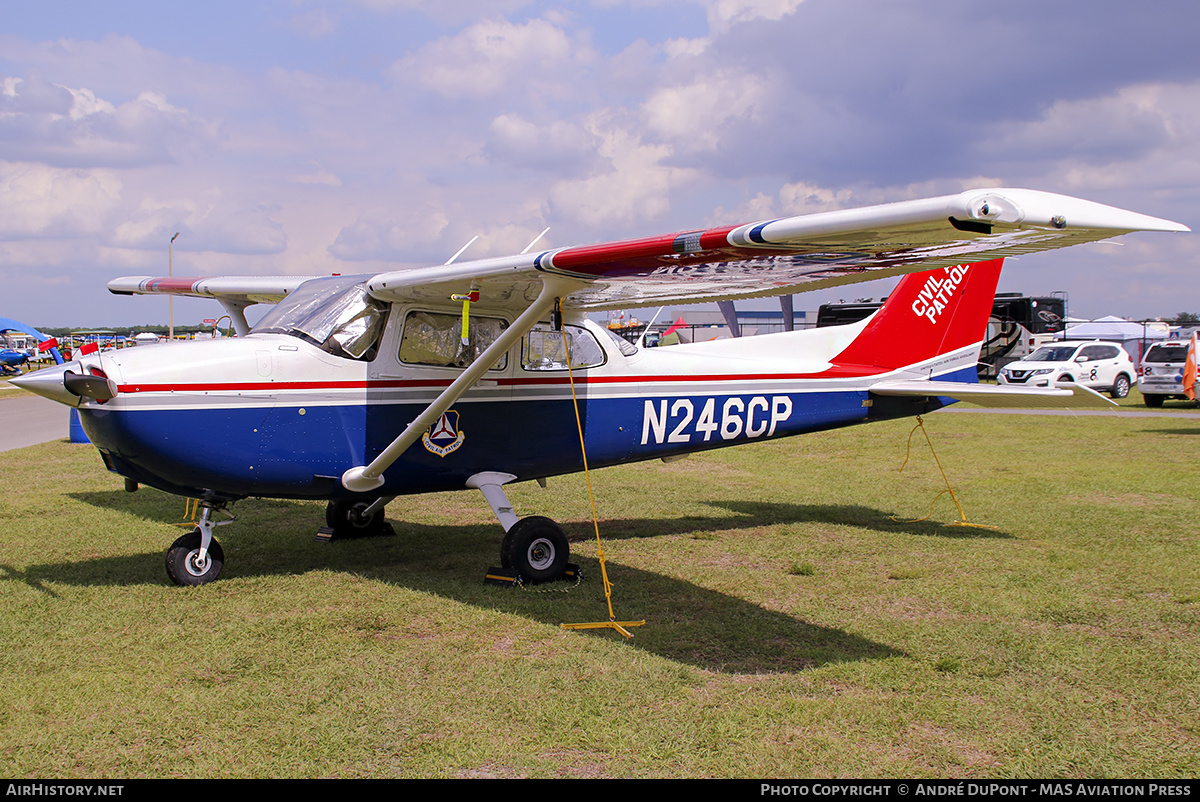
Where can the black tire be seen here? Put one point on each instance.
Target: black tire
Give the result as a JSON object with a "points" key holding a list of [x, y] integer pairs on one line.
{"points": [[536, 548], [181, 561], [346, 520], [1153, 400], [1120, 388]]}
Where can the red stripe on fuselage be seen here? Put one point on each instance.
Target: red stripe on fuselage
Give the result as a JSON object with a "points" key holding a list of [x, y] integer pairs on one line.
{"points": [[835, 372]]}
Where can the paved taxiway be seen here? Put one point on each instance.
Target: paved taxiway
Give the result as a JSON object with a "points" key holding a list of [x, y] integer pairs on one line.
{"points": [[29, 420]]}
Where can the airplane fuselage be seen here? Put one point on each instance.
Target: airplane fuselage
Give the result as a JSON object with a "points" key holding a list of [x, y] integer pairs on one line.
{"points": [[273, 415]]}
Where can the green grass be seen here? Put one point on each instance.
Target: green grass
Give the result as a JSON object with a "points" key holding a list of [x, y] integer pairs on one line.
{"points": [[1135, 401], [9, 391], [798, 624]]}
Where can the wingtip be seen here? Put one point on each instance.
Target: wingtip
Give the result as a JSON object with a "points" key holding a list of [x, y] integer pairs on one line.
{"points": [[1038, 208]]}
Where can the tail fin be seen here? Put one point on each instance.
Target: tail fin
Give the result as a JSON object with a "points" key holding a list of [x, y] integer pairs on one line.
{"points": [[929, 314]]}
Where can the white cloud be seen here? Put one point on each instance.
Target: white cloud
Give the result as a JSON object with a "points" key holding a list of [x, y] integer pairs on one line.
{"points": [[559, 146], [497, 55], [692, 116], [40, 201], [72, 127], [379, 234], [208, 224], [723, 14], [316, 175], [315, 24], [444, 11], [637, 188]]}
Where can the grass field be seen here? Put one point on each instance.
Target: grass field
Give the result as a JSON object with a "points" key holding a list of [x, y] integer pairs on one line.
{"points": [[794, 627]]}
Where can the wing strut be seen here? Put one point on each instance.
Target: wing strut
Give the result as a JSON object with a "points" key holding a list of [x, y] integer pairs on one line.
{"points": [[365, 478]]}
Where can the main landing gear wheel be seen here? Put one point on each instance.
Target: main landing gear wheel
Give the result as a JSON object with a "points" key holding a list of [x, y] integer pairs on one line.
{"points": [[184, 565], [536, 548], [346, 519]]}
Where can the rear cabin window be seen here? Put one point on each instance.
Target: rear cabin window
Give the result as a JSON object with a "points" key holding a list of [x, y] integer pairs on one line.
{"points": [[543, 348], [1167, 352], [434, 338]]}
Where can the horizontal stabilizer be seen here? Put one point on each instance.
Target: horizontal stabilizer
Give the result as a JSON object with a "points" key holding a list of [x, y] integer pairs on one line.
{"points": [[1062, 396]]}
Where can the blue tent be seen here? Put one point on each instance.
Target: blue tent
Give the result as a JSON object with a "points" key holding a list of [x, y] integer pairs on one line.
{"points": [[11, 325], [75, 430]]}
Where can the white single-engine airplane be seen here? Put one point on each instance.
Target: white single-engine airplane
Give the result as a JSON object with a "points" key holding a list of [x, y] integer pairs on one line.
{"points": [[360, 389]]}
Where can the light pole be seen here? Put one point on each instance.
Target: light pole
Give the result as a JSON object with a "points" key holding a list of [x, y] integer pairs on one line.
{"points": [[171, 298]]}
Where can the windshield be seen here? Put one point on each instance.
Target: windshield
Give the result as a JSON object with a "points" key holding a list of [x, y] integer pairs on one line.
{"points": [[1052, 353], [335, 313]]}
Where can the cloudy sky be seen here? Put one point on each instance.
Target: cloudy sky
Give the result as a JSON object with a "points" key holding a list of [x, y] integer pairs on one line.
{"points": [[298, 137]]}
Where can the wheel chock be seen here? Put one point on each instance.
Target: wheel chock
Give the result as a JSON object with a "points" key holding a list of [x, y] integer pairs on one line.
{"points": [[500, 576], [507, 577], [325, 534]]}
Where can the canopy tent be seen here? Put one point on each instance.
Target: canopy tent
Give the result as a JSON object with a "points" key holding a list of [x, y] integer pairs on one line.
{"points": [[1134, 337]]}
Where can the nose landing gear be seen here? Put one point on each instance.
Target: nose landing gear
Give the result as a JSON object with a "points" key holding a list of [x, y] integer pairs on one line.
{"points": [[196, 558]]}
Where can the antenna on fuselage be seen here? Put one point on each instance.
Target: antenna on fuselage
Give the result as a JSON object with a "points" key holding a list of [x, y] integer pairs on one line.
{"points": [[641, 339], [470, 242], [535, 239]]}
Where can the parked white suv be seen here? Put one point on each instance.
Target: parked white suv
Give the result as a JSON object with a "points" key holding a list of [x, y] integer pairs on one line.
{"points": [[1162, 372], [1102, 366]]}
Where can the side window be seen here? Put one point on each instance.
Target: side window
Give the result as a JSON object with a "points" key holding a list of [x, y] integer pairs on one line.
{"points": [[1107, 352], [434, 338], [545, 349], [1091, 353]]}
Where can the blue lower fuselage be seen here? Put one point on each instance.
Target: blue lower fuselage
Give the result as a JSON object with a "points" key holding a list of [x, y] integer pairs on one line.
{"points": [[302, 451]]}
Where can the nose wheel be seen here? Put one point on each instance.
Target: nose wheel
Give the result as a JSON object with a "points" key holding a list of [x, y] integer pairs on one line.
{"points": [[187, 566], [196, 558]]}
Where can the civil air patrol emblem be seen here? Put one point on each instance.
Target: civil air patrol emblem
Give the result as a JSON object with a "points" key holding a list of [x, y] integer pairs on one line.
{"points": [[444, 436]]}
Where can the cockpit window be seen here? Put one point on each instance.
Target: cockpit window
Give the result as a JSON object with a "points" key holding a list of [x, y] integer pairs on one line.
{"points": [[336, 314]]}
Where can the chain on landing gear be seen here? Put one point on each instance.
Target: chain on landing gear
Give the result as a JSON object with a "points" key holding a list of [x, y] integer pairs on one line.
{"points": [[196, 558]]}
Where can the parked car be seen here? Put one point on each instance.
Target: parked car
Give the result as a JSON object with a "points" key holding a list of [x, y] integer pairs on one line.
{"points": [[1162, 372], [1102, 366]]}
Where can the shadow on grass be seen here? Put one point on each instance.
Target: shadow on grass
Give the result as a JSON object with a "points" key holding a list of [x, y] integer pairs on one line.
{"points": [[1191, 430], [755, 514], [747, 515], [687, 623]]}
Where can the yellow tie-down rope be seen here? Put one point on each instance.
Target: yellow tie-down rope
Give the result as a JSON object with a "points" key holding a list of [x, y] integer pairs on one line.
{"points": [[611, 623], [962, 515]]}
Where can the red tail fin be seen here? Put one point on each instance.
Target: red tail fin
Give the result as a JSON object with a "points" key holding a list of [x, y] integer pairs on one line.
{"points": [[929, 314]]}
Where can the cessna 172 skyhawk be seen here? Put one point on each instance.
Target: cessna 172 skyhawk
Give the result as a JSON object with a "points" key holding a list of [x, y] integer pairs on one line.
{"points": [[359, 389]]}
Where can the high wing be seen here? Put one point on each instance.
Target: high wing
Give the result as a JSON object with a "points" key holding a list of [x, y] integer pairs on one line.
{"points": [[790, 255], [234, 292], [244, 290], [769, 257]]}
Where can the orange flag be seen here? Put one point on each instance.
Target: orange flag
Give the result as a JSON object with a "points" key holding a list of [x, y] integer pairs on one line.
{"points": [[1189, 371]]}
